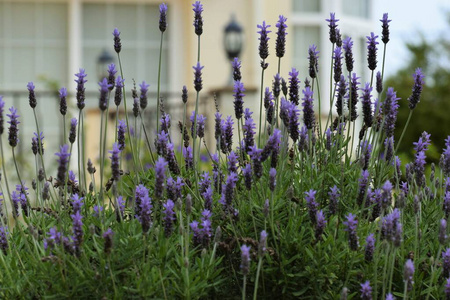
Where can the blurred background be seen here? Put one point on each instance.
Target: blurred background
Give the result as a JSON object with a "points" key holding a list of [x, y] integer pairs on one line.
{"points": [[47, 41]]}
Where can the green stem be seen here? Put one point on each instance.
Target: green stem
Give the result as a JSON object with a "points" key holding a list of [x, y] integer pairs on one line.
{"points": [[255, 291], [159, 83], [261, 104], [404, 130]]}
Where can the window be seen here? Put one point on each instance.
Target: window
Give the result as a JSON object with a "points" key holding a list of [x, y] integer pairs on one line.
{"points": [[357, 8], [304, 36], [33, 43], [140, 35], [307, 5]]}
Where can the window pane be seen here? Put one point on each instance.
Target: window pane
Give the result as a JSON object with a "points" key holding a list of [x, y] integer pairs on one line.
{"points": [[125, 18], [357, 8], [24, 21], [23, 60], [307, 5], [54, 64], [152, 32], [55, 21], [94, 22], [304, 36]]}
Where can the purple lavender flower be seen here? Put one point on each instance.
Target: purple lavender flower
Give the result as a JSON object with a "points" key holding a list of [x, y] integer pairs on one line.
{"points": [[447, 289], [31, 95], [115, 162], [103, 99], [198, 20], [262, 244], [227, 135], [121, 134], [77, 203], [337, 64], [162, 17], [198, 76], [145, 209], [208, 197], [117, 43], [80, 86], [165, 121], [232, 162], [333, 26], [367, 105], [363, 184], [386, 196], [391, 109], [13, 127], [263, 40], [353, 97], [77, 227], [272, 179], [108, 238], [161, 143], [366, 290], [197, 238], [249, 130], [188, 157], [144, 89], [184, 94], [98, 209], [313, 61], [419, 168], [54, 238], [284, 109], [379, 83], [385, 28], [389, 225], [443, 232], [321, 223], [370, 247], [236, 64], [312, 205], [408, 274], [293, 122], [228, 192], [174, 188], [417, 88], [329, 136], [169, 217], [303, 139], [119, 87], [444, 162], [446, 262], [3, 239], [63, 161], [348, 49], [46, 191], [247, 172], [423, 142], [238, 99], [280, 43], [350, 226], [245, 259], [294, 86], [389, 146], [372, 51], [334, 195], [268, 97], [2, 106], [111, 76], [276, 85], [73, 130], [37, 145], [16, 199], [160, 177], [256, 157], [308, 109], [341, 90]]}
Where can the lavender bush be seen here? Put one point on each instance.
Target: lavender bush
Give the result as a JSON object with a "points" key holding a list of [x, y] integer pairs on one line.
{"points": [[293, 210]]}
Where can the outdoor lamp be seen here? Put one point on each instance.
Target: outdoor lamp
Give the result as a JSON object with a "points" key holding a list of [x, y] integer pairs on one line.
{"points": [[103, 60]]}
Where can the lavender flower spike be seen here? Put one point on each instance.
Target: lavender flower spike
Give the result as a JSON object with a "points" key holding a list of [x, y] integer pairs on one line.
{"points": [[77, 230], [121, 134], [372, 51], [2, 120], [115, 162], [160, 177], [111, 76], [238, 99], [417, 88], [198, 20], [73, 130], [313, 61], [143, 97], [169, 217], [63, 161], [63, 101], [80, 88], [236, 64], [333, 26], [294, 86], [280, 43], [385, 28], [337, 64], [119, 91], [348, 49], [366, 291], [104, 89], [245, 259], [263, 40], [390, 109], [408, 274], [350, 226], [3, 239], [198, 76], [117, 43], [308, 110], [13, 127], [370, 247], [31, 95], [162, 17]]}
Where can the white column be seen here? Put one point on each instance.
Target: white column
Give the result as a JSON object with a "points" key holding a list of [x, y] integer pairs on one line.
{"points": [[75, 42]]}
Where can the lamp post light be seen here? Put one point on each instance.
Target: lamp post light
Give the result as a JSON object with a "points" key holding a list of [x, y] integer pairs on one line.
{"points": [[103, 60], [233, 41]]}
